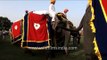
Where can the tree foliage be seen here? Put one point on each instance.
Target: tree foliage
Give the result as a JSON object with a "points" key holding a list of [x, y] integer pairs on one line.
{"points": [[5, 23]]}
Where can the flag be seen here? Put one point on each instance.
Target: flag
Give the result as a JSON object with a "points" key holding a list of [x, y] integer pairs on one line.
{"points": [[99, 9], [16, 31], [36, 35]]}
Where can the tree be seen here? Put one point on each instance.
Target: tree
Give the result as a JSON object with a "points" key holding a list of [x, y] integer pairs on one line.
{"points": [[5, 23]]}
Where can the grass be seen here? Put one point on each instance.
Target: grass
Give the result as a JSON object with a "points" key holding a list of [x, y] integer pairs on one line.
{"points": [[11, 52]]}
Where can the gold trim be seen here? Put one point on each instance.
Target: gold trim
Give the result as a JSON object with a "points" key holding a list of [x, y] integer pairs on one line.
{"points": [[37, 48], [16, 36], [92, 17], [37, 41], [48, 33], [22, 33], [97, 52], [16, 41]]}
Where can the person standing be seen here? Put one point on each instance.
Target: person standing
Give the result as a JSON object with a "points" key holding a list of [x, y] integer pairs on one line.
{"points": [[52, 12]]}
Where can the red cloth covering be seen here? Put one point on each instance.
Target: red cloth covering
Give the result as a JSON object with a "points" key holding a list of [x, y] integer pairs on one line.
{"points": [[16, 29], [104, 4], [37, 28]]}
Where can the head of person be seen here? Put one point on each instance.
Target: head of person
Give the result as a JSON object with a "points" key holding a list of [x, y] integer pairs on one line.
{"points": [[26, 11], [52, 1], [66, 10]]}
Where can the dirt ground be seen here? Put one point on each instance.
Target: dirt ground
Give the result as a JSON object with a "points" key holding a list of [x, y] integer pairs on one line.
{"points": [[11, 52]]}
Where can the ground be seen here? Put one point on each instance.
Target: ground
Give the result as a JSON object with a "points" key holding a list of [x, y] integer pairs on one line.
{"points": [[11, 52]]}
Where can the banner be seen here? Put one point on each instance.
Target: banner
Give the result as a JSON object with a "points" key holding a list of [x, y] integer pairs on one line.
{"points": [[16, 31], [36, 35]]}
